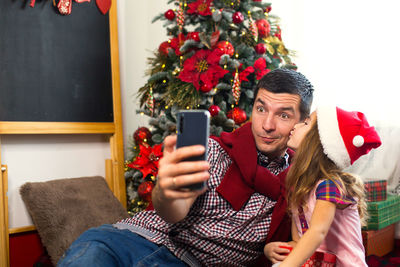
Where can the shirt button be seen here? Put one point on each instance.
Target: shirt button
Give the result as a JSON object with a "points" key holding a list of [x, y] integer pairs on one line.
{"points": [[173, 233]]}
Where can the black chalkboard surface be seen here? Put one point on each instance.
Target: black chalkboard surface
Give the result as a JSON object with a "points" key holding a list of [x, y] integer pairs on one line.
{"points": [[54, 67]]}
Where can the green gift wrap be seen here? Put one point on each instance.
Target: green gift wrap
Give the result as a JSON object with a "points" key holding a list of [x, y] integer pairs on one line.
{"points": [[383, 213]]}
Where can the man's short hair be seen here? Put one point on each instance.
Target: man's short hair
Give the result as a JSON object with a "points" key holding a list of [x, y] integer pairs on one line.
{"points": [[291, 82]]}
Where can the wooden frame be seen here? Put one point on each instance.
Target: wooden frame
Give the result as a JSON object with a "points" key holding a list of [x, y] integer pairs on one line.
{"points": [[114, 166], [4, 252]]}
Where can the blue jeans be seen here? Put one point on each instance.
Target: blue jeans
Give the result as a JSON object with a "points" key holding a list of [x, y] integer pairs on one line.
{"points": [[108, 246]]}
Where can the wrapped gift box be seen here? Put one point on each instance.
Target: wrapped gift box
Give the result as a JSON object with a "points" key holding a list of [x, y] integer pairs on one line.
{"points": [[379, 242], [383, 213], [376, 190]]}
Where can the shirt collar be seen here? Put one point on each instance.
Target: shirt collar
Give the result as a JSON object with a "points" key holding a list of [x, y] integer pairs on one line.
{"points": [[280, 162]]}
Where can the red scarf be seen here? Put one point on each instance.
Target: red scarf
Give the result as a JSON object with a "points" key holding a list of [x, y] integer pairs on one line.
{"points": [[245, 177]]}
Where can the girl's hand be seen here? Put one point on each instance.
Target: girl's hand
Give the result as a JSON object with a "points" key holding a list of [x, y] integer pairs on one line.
{"points": [[276, 252]]}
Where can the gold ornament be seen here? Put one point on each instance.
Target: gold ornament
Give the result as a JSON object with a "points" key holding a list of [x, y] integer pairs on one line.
{"points": [[270, 49], [273, 40], [282, 50], [253, 28]]}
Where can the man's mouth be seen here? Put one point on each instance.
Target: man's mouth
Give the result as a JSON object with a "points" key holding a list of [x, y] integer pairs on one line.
{"points": [[268, 139]]}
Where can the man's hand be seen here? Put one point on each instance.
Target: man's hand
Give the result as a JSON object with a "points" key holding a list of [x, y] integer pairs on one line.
{"points": [[275, 253], [170, 201]]}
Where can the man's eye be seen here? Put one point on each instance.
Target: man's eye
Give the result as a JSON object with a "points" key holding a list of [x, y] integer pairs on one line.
{"points": [[260, 109], [284, 116]]}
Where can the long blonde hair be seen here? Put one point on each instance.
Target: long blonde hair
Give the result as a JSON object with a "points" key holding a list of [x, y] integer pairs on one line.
{"points": [[311, 165]]}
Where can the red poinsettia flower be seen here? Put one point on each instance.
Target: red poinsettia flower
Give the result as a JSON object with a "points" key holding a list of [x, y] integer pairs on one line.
{"points": [[203, 67], [177, 42], [201, 7], [260, 66], [246, 72], [147, 160]]}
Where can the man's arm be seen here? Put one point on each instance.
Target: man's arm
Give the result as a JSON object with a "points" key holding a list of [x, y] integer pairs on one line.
{"points": [[170, 201]]}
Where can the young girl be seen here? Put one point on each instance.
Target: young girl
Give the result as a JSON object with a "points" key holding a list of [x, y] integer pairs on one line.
{"points": [[327, 204]]}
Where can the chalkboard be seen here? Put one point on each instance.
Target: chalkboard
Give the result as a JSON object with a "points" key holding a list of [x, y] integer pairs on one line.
{"points": [[54, 67]]}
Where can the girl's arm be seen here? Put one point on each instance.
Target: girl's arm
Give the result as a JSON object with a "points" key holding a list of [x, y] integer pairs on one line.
{"points": [[321, 221]]}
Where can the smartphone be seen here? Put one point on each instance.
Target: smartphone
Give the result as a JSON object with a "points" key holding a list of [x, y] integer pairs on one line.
{"points": [[193, 128]]}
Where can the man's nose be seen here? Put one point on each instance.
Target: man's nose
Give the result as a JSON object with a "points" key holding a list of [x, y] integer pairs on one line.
{"points": [[269, 123]]}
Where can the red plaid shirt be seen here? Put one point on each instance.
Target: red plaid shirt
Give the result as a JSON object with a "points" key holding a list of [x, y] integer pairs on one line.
{"points": [[213, 233]]}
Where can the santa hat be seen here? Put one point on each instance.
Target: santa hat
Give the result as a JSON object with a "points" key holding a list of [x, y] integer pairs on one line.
{"points": [[345, 135]]}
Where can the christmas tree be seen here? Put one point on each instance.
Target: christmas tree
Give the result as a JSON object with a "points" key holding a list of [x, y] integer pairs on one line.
{"points": [[216, 52]]}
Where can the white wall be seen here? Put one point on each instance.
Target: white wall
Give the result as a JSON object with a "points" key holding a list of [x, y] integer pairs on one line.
{"points": [[36, 158], [348, 49], [138, 38]]}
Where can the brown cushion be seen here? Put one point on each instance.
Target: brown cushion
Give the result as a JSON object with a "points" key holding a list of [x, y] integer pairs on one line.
{"points": [[62, 209]]}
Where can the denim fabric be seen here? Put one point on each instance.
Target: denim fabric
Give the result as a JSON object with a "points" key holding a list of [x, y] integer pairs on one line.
{"points": [[108, 246]]}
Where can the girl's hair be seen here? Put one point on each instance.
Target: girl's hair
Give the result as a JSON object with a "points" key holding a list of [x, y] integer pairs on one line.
{"points": [[311, 165]]}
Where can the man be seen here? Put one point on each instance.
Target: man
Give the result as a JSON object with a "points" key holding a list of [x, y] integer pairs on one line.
{"points": [[228, 222]]}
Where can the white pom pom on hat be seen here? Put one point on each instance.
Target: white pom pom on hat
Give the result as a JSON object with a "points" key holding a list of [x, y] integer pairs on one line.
{"points": [[345, 135], [358, 141]]}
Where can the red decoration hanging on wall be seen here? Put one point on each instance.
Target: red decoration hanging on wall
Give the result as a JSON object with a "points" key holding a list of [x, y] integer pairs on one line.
{"points": [[65, 6], [103, 5]]}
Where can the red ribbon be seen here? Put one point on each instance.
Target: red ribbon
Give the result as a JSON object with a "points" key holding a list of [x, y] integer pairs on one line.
{"points": [[103, 5]]}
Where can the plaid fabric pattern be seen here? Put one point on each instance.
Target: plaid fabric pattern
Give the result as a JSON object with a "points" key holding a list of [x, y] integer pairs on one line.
{"points": [[213, 232], [376, 190], [327, 190], [383, 213]]}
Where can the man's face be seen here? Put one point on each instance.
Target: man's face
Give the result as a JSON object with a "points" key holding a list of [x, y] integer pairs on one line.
{"points": [[273, 117]]}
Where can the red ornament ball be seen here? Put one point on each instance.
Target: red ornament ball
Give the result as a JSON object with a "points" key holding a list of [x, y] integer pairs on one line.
{"points": [[214, 110], [237, 17], [163, 48], [263, 27], [238, 115], [145, 189], [142, 135], [268, 9], [226, 47], [205, 88], [169, 14], [260, 48], [194, 36]]}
